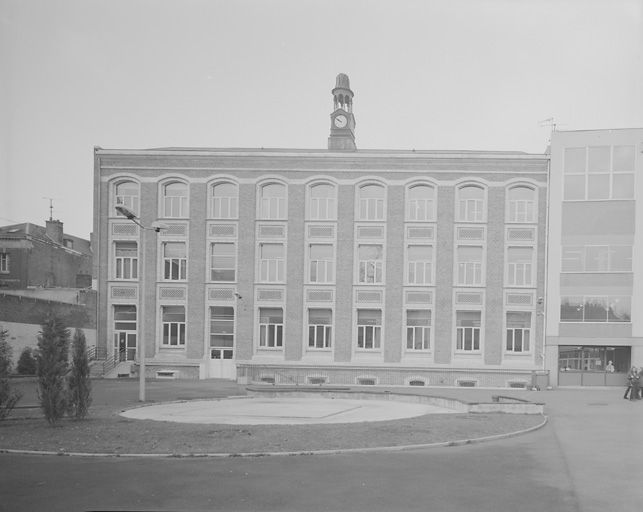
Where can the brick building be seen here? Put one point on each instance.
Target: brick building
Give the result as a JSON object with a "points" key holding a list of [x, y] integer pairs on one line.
{"points": [[334, 265], [43, 256]]}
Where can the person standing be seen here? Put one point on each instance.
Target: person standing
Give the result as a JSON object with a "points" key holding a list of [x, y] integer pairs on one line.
{"points": [[632, 384]]}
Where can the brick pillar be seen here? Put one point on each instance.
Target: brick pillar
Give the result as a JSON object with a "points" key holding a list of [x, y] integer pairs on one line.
{"points": [[394, 275], [295, 273], [344, 275], [443, 309]]}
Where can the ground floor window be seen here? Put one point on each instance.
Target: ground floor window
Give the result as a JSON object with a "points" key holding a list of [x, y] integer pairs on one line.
{"points": [[418, 329], [173, 318], [271, 327], [369, 329], [468, 330], [319, 328], [124, 333], [518, 331], [594, 359]]}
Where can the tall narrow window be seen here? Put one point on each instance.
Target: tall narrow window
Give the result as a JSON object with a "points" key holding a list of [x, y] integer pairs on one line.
{"points": [[322, 203], [418, 329], [223, 261], [175, 199], [520, 266], [124, 333], [225, 198], [369, 329], [371, 202], [521, 205], [4, 263], [271, 327], [173, 319], [321, 263], [125, 260], [518, 331], [420, 203], [319, 328], [271, 263], [175, 261], [371, 262], [221, 332], [273, 201], [468, 331], [126, 194], [420, 264], [469, 265], [471, 204]]}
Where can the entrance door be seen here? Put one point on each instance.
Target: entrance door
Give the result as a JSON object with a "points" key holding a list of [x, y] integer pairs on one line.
{"points": [[222, 343], [124, 346]]}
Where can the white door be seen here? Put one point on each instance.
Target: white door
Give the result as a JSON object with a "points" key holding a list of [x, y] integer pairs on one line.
{"points": [[222, 364], [222, 343]]}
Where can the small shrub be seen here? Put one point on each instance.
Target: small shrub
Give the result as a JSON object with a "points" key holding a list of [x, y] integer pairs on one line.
{"points": [[8, 397], [27, 362], [52, 368], [79, 383]]}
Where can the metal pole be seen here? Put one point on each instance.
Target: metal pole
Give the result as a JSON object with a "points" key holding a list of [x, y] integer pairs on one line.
{"points": [[141, 341]]}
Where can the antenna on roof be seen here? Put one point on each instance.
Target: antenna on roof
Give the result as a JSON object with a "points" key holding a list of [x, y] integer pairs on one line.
{"points": [[51, 207]]}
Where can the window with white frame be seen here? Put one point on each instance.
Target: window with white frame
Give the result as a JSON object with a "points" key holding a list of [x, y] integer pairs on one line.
{"points": [[271, 327], [518, 331], [125, 260], [599, 172], [225, 201], [468, 331], [272, 201], [418, 329], [419, 264], [469, 265], [175, 199], [320, 323], [321, 263], [371, 263], [271, 262], [175, 261], [369, 329], [221, 332], [126, 193], [420, 203], [223, 261], [471, 203], [521, 204], [173, 324], [520, 266], [322, 203], [4, 263], [371, 202], [597, 258]]}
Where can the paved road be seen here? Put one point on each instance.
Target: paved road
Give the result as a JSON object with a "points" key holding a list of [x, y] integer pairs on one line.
{"points": [[588, 458]]}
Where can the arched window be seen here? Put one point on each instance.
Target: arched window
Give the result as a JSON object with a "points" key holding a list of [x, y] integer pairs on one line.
{"points": [[521, 204], [420, 203], [272, 201], [322, 202], [126, 193], [371, 202], [175, 199], [224, 201], [471, 203]]}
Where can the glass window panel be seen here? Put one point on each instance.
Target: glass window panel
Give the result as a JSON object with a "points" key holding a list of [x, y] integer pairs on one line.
{"points": [[418, 317], [598, 159], [468, 318], [621, 258], [173, 313], [127, 249], [623, 186], [571, 309], [596, 259], [574, 188], [598, 186], [271, 315], [574, 160], [518, 319], [623, 159], [595, 309], [620, 309], [369, 316]]}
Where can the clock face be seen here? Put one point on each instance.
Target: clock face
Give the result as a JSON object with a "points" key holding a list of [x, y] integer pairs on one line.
{"points": [[341, 121]]}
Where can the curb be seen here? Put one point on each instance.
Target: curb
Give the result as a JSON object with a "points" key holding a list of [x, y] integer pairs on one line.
{"points": [[375, 449]]}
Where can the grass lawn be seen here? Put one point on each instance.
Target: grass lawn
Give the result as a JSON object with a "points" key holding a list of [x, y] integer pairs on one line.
{"points": [[105, 431]]}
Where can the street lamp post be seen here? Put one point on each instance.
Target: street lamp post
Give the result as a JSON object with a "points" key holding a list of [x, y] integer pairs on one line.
{"points": [[130, 215]]}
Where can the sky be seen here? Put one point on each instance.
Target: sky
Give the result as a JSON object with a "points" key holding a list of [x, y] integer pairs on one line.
{"points": [[427, 74]]}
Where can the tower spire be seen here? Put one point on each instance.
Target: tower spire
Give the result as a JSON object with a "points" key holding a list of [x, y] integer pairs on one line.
{"points": [[342, 120]]}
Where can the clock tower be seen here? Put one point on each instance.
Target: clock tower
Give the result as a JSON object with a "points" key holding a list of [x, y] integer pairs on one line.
{"points": [[342, 120]]}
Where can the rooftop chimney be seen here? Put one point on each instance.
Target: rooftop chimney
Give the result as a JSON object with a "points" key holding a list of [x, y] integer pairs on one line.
{"points": [[55, 230]]}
